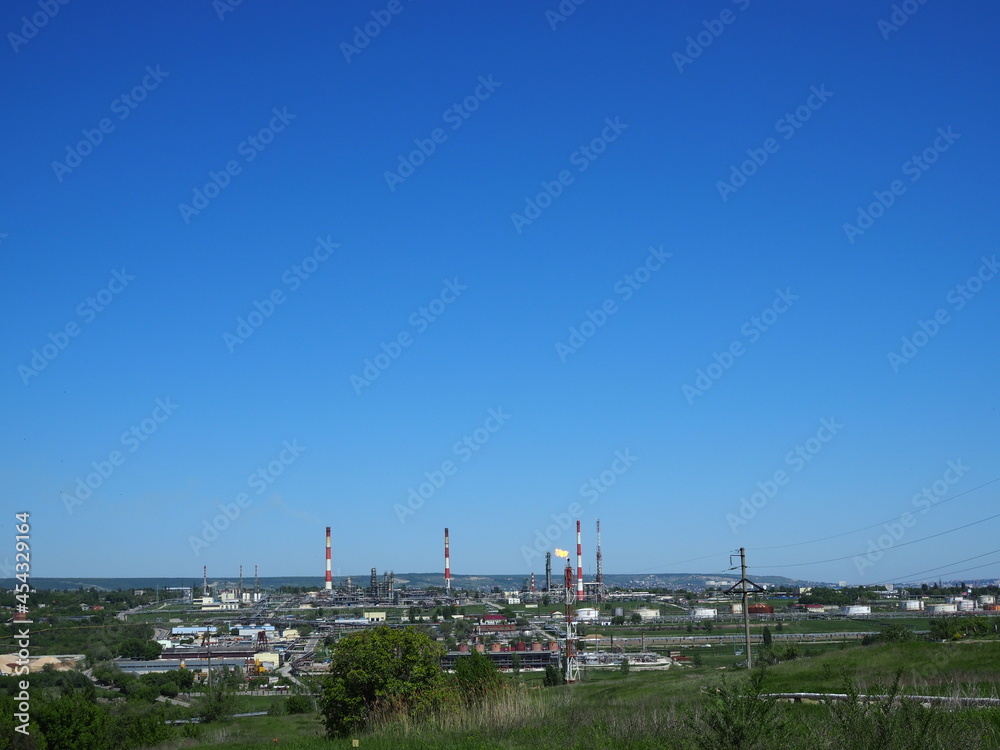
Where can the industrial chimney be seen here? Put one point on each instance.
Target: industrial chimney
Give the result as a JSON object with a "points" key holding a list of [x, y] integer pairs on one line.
{"points": [[447, 563], [329, 569], [579, 564]]}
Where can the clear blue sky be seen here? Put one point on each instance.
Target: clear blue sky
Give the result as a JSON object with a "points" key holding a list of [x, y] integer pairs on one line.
{"points": [[863, 101]]}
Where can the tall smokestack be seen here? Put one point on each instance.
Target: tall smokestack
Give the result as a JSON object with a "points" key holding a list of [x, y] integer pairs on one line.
{"points": [[447, 563], [579, 564], [329, 570], [204, 580], [532, 583]]}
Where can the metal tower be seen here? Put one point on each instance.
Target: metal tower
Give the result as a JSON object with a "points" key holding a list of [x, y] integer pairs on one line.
{"points": [[600, 565]]}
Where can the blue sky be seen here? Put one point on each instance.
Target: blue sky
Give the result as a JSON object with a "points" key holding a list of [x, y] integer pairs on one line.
{"points": [[688, 195]]}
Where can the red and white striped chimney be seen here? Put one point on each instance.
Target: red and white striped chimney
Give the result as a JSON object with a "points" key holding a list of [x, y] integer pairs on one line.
{"points": [[447, 562], [329, 568], [579, 565]]}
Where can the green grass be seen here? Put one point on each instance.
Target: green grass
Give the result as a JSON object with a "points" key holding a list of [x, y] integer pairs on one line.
{"points": [[650, 709]]}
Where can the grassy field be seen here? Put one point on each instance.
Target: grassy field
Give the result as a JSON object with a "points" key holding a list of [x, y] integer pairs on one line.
{"points": [[669, 708]]}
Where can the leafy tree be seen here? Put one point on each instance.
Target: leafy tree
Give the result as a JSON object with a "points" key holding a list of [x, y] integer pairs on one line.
{"points": [[380, 669], [767, 637], [299, 704], [477, 677], [553, 676], [218, 702], [625, 666], [636, 618]]}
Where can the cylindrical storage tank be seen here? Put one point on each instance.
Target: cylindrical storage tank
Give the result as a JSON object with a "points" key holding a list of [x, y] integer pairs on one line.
{"points": [[495, 648], [536, 646], [911, 605], [463, 648], [955, 599], [553, 645], [992, 607], [519, 646], [856, 609], [760, 609], [703, 613], [987, 599], [586, 614], [940, 608], [619, 611], [737, 608], [966, 605], [481, 648]]}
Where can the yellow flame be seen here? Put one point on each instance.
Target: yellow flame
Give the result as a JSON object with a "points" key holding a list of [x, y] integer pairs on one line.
{"points": [[561, 553]]}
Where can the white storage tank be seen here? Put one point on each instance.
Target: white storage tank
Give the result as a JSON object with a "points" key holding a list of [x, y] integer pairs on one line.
{"points": [[942, 608], [987, 599], [737, 608], [955, 599], [911, 605], [703, 613], [586, 614], [966, 605], [856, 609]]}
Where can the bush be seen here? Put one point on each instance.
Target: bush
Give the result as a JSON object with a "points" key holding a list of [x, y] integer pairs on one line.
{"points": [[739, 718], [384, 671], [299, 704]]}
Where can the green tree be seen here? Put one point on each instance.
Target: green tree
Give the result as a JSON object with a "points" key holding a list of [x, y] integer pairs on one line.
{"points": [[218, 702], [636, 618], [380, 668], [625, 666], [299, 704], [477, 677], [768, 639]]}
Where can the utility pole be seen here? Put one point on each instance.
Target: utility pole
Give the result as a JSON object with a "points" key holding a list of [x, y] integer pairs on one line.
{"points": [[744, 583]]}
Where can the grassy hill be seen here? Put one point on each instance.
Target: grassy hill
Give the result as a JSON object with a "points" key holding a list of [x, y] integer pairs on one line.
{"points": [[677, 708]]}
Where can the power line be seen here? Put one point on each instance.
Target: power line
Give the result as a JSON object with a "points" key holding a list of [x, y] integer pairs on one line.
{"points": [[822, 539], [895, 546], [875, 525], [932, 570]]}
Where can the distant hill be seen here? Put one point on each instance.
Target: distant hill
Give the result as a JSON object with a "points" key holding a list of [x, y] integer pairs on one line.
{"points": [[691, 581]]}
